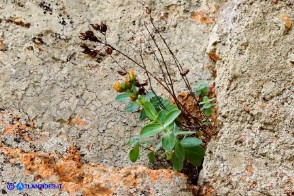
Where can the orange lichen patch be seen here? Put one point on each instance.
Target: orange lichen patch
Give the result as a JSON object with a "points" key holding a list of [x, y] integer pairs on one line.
{"points": [[202, 17], [76, 122], [88, 179], [32, 124], [154, 176], [249, 168], [9, 130], [26, 137], [208, 191], [18, 128], [287, 20], [213, 56]]}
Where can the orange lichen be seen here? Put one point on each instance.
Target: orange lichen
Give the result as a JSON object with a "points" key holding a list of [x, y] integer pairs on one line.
{"points": [[287, 20], [88, 179], [201, 17], [76, 122], [76, 176], [249, 168], [213, 56]]}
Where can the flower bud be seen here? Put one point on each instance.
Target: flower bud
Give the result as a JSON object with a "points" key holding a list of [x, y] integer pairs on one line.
{"points": [[117, 87], [132, 75], [127, 83], [108, 50], [133, 97]]}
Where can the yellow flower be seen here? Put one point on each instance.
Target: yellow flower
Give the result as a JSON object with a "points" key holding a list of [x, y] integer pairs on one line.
{"points": [[117, 87], [132, 75], [127, 83]]}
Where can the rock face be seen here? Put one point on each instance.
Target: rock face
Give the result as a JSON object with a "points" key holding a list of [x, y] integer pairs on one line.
{"points": [[47, 82], [21, 162], [59, 122], [253, 152]]}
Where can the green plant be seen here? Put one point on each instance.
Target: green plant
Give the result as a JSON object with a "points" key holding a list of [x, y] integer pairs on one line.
{"points": [[172, 128], [201, 89], [170, 143], [206, 105]]}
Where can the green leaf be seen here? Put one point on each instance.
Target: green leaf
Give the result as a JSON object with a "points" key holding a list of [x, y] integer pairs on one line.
{"points": [[151, 157], [168, 141], [134, 89], [150, 110], [201, 88], [208, 112], [123, 97], [206, 99], [161, 116], [141, 99], [156, 102], [179, 151], [132, 107], [171, 117], [168, 156], [177, 164], [168, 105], [134, 154], [190, 142], [185, 132], [158, 146], [134, 141], [178, 157], [149, 95], [194, 155], [143, 115], [151, 129], [206, 106], [170, 128]]}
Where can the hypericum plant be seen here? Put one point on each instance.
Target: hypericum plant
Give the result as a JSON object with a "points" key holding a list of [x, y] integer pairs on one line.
{"points": [[206, 105], [165, 134], [171, 143], [202, 90]]}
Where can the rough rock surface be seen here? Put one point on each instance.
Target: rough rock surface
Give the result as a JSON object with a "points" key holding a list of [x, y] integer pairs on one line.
{"points": [[253, 152], [59, 122], [47, 81]]}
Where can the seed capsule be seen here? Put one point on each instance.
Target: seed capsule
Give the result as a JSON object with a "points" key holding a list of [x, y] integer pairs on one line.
{"points": [[103, 27], [184, 72], [89, 33], [122, 73], [96, 27], [108, 50]]}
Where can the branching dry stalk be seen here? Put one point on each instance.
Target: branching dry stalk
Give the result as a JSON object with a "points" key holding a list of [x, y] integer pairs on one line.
{"points": [[166, 82]]}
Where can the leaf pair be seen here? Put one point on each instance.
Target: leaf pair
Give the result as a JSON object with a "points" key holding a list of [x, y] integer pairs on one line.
{"points": [[190, 149], [161, 120]]}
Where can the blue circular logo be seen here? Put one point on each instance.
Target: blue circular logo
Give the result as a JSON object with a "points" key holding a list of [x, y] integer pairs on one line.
{"points": [[10, 186], [20, 186]]}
